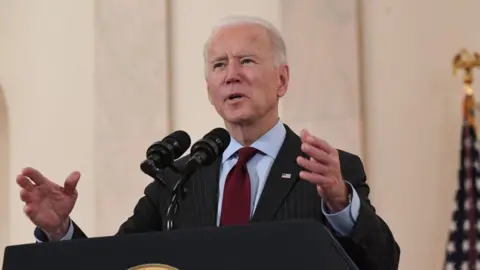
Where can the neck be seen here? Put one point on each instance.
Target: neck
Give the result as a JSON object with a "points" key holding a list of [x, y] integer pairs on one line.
{"points": [[247, 133]]}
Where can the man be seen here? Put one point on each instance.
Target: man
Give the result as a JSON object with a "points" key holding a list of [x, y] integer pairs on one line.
{"points": [[246, 74]]}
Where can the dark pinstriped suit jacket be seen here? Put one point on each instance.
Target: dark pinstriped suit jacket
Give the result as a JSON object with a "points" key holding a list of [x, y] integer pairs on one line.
{"points": [[371, 244]]}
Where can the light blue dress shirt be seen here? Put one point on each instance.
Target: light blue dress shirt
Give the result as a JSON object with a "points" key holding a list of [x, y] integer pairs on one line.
{"points": [[258, 168]]}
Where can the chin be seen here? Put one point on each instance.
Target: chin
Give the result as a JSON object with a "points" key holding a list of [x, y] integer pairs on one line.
{"points": [[238, 115], [238, 118]]}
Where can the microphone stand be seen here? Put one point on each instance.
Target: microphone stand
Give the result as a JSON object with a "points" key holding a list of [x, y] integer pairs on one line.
{"points": [[149, 167], [178, 190], [175, 204]]}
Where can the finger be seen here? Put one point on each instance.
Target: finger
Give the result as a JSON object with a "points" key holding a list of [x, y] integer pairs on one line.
{"points": [[71, 182], [317, 142], [318, 154], [304, 133], [24, 182], [26, 196], [316, 179], [29, 209], [322, 144], [312, 165], [36, 176]]}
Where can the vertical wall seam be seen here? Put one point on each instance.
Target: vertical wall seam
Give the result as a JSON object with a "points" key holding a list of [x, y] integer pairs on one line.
{"points": [[169, 65]]}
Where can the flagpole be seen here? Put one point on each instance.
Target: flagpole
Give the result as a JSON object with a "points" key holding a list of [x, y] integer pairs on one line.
{"points": [[467, 61], [462, 251]]}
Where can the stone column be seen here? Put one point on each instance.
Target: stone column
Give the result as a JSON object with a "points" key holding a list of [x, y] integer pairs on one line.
{"points": [[5, 181]]}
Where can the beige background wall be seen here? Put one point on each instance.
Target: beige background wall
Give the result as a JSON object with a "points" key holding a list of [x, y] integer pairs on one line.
{"points": [[131, 102], [4, 169], [90, 84], [324, 91], [46, 72], [413, 113]]}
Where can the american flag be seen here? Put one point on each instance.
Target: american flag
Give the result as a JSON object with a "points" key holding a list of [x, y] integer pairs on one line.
{"points": [[463, 248]]}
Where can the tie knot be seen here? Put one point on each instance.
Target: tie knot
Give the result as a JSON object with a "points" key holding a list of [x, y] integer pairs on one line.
{"points": [[245, 154]]}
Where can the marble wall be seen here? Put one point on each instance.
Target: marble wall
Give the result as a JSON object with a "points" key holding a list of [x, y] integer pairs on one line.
{"points": [[46, 75], [131, 102], [87, 89], [324, 93], [413, 116]]}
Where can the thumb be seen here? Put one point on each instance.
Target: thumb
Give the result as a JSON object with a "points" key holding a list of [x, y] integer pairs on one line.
{"points": [[71, 183], [320, 191]]}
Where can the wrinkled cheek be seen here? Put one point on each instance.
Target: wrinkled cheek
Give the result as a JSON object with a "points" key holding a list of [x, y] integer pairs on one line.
{"points": [[270, 102], [211, 96], [218, 104]]}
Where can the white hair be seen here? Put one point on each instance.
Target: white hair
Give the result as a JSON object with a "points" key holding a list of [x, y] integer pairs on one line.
{"points": [[278, 44]]}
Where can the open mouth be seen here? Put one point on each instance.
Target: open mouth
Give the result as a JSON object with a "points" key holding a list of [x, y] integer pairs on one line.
{"points": [[235, 96]]}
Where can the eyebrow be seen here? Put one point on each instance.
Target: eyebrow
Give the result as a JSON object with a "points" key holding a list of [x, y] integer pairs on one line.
{"points": [[238, 55]]}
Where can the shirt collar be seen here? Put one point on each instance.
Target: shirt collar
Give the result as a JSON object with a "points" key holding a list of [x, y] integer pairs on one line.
{"points": [[269, 144]]}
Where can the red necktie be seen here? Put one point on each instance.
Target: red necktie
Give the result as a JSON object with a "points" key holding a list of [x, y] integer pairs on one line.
{"points": [[237, 193]]}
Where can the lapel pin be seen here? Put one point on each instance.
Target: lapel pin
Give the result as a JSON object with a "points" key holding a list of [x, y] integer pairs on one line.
{"points": [[286, 175]]}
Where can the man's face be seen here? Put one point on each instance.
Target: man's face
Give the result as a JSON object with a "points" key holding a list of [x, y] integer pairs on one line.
{"points": [[243, 82]]}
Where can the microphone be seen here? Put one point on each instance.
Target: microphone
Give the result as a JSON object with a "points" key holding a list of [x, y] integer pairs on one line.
{"points": [[205, 151], [163, 153]]}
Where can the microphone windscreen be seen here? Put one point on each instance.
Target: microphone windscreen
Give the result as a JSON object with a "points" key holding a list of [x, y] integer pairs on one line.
{"points": [[181, 141], [221, 137]]}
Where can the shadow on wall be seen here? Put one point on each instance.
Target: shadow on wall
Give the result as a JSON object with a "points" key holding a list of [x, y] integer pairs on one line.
{"points": [[4, 174]]}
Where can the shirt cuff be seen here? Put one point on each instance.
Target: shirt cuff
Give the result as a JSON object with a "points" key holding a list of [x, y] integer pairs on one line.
{"points": [[344, 221], [41, 236]]}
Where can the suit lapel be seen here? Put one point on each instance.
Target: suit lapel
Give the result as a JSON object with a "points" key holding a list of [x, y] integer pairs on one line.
{"points": [[281, 179], [205, 193]]}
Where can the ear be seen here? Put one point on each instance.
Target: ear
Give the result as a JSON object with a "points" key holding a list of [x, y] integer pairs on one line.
{"points": [[283, 79]]}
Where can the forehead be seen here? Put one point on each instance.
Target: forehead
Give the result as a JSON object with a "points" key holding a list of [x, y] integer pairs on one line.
{"points": [[245, 38]]}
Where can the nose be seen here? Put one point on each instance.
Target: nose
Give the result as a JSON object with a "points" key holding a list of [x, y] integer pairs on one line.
{"points": [[233, 71]]}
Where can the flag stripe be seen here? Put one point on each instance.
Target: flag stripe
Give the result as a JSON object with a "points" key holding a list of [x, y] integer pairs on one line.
{"points": [[471, 200], [464, 232]]}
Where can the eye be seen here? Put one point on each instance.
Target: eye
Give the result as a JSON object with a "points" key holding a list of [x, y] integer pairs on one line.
{"points": [[247, 61], [218, 65]]}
